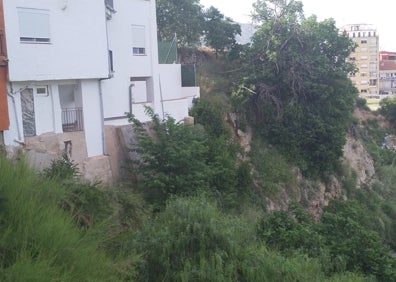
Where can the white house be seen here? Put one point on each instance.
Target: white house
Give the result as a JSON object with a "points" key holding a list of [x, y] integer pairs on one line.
{"points": [[75, 68]]}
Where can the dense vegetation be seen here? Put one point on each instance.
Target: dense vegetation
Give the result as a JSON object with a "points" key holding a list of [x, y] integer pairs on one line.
{"points": [[189, 23], [195, 204], [295, 87], [61, 229]]}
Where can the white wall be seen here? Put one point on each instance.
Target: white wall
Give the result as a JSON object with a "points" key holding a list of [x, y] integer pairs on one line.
{"points": [[44, 112], [170, 75], [177, 109], [177, 99], [126, 65], [78, 47], [92, 117], [190, 93], [56, 108]]}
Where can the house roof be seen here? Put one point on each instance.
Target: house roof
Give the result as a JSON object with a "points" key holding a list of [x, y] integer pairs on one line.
{"points": [[387, 65]]}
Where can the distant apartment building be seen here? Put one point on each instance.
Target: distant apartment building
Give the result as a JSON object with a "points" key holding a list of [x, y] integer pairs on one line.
{"points": [[387, 70], [366, 59]]}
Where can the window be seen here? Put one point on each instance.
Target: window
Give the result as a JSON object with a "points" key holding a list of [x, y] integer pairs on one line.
{"points": [[373, 82], [34, 25], [41, 91], [138, 40], [363, 41]]}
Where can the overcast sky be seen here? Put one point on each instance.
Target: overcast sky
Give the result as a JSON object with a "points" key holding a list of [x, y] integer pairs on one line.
{"points": [[381, 15]]}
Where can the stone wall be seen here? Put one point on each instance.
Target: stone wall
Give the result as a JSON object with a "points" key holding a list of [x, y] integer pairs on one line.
{"points": [[118, 142], [41, 150]]}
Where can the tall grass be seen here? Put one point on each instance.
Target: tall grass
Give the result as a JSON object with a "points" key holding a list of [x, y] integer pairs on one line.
{"points": [[193, 241], [38, 240]]}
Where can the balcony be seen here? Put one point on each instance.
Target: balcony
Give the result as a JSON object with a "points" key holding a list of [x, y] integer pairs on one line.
{"points": [[72, 119]]}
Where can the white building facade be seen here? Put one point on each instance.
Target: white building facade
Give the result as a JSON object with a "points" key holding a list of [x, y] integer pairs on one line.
{"points": [[77, 66]]}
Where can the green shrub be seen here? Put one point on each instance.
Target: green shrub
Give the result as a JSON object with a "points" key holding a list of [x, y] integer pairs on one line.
{"points": [[271, 170], [193, 241], [361, 103], [388, 108], [177, 159], [38, 241], [357, 248], [61, 169]]}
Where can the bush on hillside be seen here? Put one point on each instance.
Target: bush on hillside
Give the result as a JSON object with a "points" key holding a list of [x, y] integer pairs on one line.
{"points": [[177, 159], [38, 240], [193, 241]]}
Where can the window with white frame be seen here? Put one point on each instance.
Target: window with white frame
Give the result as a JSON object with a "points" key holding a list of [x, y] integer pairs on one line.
{"points": [[138, 40], [34, 25]]}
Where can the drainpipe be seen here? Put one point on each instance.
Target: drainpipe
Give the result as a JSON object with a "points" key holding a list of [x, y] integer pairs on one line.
{"points": [[130, 97], [162, 99], [110, 75], [11, 95], [102, 114]]}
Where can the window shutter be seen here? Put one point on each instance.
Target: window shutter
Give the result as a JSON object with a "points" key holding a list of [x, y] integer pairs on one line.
{"points": [[34, 24], [139, 36]]}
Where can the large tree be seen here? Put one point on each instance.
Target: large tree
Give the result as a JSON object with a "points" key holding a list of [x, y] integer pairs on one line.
{"points": [[295, 85], [183, 18], [220, 31]]}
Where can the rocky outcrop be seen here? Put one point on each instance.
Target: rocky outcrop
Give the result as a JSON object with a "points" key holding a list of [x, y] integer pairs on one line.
{"points": [[358, 159], [313, 195]]}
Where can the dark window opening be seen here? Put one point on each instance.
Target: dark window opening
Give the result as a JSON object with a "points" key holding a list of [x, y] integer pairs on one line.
{"points": [[139, 51], [111, 60]]}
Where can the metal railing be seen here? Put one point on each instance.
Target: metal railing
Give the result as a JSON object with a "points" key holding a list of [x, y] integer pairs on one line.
{"points": [[72, 119]]}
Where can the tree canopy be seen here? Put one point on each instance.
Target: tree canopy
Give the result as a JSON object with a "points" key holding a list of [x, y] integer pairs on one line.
{"points": [[388, 108], [184, 18], [188, 20], [295, 87], [220, 31]]}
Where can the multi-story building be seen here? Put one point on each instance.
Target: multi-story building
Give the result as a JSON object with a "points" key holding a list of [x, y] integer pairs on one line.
{"points": [[366, 58], [387, 77], [76, 68]]}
